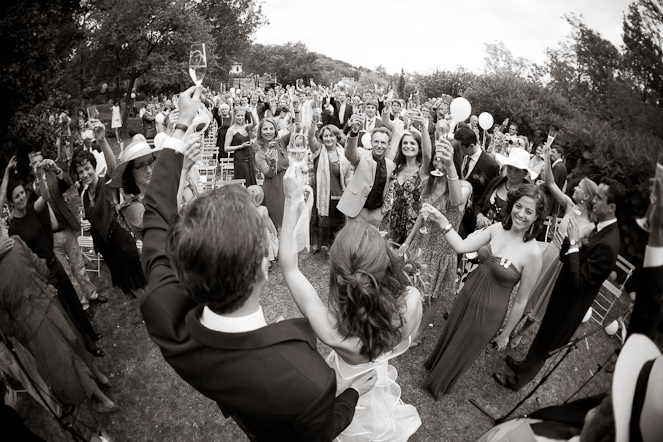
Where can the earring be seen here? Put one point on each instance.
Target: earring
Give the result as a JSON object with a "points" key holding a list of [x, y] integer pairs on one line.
{"points": [[531, 229]]}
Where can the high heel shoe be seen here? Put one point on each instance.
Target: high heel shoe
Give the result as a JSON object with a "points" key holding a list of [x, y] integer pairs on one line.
{"points": [[97, 352]]}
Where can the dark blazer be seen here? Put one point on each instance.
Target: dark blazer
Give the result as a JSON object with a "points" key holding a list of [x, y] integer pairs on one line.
{"points": [[577, 285], [56, 188], [335, 120], [482, 174], [271, 381]]}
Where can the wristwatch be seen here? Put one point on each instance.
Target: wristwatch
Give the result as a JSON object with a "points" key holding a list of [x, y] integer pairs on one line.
{"points": [[573, 243], [182, 127], [447, 229]]}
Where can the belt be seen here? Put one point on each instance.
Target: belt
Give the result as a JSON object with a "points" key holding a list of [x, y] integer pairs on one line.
{"points": [[246, 160]]}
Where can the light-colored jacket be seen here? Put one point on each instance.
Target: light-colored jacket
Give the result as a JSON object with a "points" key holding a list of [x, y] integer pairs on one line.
{"points": [[362, 181]]}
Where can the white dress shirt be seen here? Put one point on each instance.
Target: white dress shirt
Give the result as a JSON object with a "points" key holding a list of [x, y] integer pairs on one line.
{"points": [[232, 324], [341, 112], [600, 226]]}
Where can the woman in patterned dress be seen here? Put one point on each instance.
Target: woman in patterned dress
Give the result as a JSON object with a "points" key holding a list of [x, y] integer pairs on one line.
{"points": [[449, 195], [412, 164]]}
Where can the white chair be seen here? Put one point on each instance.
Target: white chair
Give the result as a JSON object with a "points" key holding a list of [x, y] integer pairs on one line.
{"points": [[241, 181], [611, 291], [551, 224], [87, 250]]}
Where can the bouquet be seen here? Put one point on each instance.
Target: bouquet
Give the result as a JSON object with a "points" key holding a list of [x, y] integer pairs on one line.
{"points": [[417, 275]]}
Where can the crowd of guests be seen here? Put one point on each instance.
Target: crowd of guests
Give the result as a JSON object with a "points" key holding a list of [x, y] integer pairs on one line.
{"points": [[385, 177]]}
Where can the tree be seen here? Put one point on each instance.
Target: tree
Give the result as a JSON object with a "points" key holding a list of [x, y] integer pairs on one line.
{"points": [[500, 60], [585, 64], [233, 24], [125, 39], [37, 40], [401, 85], [381, 72], [450, 82], [643, 48]]}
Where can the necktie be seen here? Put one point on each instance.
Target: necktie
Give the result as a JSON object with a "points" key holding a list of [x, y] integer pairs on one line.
{"points": [[466, 167]]}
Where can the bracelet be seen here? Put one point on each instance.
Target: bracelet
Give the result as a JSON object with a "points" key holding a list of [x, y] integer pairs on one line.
{"points": [[452, 179], [182, 127], [447, 229]]}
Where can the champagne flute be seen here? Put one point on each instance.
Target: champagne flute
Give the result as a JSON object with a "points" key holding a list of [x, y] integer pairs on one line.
{"points": [[552, 134], [197, 63], [297, 150], [424, 229], [438, 171]]}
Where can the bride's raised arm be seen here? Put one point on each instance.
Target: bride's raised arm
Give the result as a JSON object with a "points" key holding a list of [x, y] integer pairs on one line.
{"points": [[305, 296]]}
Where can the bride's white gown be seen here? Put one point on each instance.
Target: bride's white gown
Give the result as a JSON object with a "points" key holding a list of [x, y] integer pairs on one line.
{"points": [[380, 414]]}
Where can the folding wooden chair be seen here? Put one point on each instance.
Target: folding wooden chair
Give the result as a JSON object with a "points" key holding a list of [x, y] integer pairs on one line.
{"points": [[87, 250], [611, 291]]}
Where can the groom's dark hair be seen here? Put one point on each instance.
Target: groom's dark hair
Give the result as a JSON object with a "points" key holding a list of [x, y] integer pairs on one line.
{"points": [[216, 246]]}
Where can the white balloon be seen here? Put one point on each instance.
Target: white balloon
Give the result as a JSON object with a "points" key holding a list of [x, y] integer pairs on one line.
{"points": [[460, 109], [159, 118], [612, 328], [588, 315], [232, 90], [486, 120], [366, 141], [133, 95]]}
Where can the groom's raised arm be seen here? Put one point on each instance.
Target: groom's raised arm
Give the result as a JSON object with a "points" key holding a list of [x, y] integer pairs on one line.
{"points": [[166, 302]]}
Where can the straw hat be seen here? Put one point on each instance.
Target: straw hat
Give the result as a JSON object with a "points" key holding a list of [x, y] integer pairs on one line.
{"points": [[638, 373], [133, 151]]}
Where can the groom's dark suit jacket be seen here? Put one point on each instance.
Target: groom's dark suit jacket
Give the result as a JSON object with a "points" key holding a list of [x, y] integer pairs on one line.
{"points": [[576, 287], [272, 381]]}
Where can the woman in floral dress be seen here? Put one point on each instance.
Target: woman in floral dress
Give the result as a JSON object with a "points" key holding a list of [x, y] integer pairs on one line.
{"points": [[412, 163], [449, 195]]}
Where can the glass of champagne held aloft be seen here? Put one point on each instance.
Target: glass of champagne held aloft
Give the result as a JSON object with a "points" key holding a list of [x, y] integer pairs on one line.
{"points": [[424, 228], [297, 150], [439, 165], [552, 134], [197, 63]]}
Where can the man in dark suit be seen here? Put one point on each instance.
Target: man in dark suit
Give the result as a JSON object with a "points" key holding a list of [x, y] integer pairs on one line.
{"points": [[206, 267], [474, 166], [342, 110], [577, 285], [371, 121]]}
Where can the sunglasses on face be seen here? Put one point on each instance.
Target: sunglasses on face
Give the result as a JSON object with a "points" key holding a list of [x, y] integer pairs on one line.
{"points": [[143, 167]]}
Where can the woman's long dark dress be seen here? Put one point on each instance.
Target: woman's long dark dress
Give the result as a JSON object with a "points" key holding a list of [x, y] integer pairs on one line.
{"points": [[223, 123], [477, 315], [243, 160], [115, 243], [35, 229]]}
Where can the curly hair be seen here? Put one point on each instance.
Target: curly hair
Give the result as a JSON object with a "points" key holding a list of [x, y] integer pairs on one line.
{"points": [[531, 191], [14, 182], [80, 159], [400, 159], [216, 246], [366, 289]]}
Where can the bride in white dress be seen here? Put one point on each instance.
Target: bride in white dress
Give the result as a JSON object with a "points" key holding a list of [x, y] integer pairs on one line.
{"points": [[372, 317]]}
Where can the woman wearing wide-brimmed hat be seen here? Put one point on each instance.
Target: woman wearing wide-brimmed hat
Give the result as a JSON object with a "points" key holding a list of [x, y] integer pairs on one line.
{"points": [[488, 209], [133, 175]]}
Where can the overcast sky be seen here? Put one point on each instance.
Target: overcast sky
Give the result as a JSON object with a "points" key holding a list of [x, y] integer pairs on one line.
{"points": [[420, 35]]}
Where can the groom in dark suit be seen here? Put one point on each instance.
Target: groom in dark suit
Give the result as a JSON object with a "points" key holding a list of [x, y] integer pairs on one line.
{"points": [[206, 268], [584, 270], [474, 166]]}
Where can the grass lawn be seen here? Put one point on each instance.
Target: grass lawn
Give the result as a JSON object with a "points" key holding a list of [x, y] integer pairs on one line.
{"points": [[156, 405]]}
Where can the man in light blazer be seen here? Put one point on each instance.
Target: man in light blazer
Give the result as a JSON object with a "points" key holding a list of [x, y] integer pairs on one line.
{"points": [[365, 197]]}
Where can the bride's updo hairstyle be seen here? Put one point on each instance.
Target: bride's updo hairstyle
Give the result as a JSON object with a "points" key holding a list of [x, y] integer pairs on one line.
{"points": [[366, 289]]}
